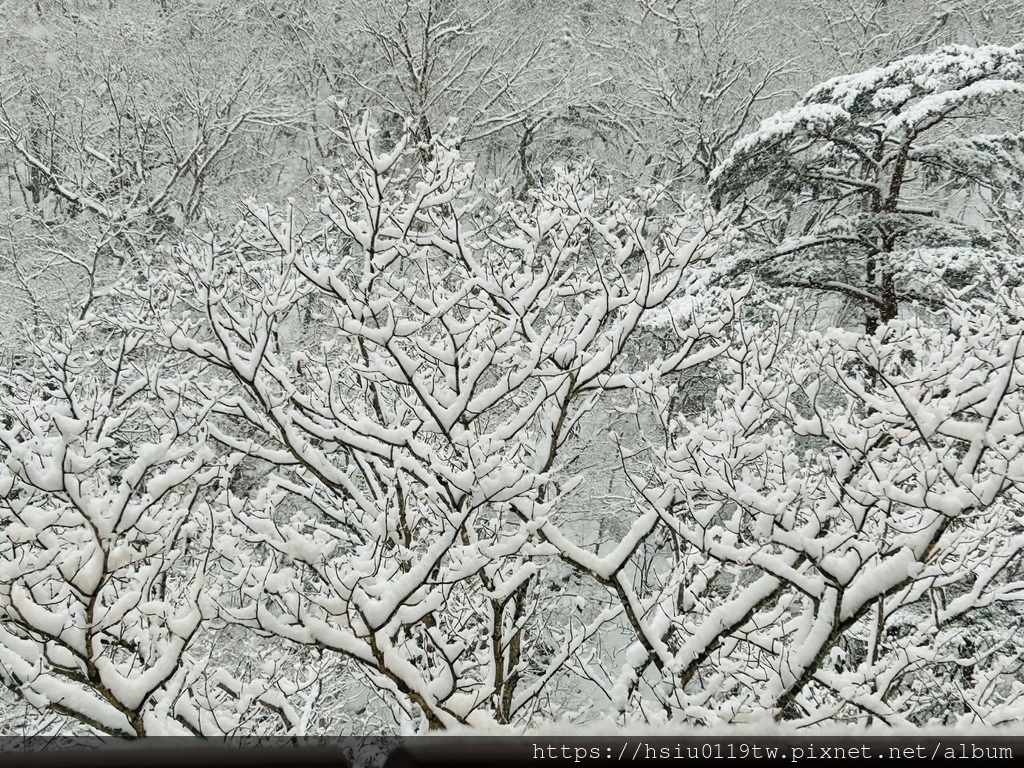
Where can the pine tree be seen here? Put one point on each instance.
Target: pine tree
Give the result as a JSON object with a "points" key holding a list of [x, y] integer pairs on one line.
{"points": [[874, 178]]}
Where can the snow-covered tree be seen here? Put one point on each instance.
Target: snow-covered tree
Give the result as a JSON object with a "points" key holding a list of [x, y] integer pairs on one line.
{"points": [[848, 527], [871, 174], [103, 502], [409, 375], [106, 485]]}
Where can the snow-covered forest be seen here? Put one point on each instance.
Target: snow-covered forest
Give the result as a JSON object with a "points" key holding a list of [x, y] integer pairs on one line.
{"points": [[406, 365]]}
